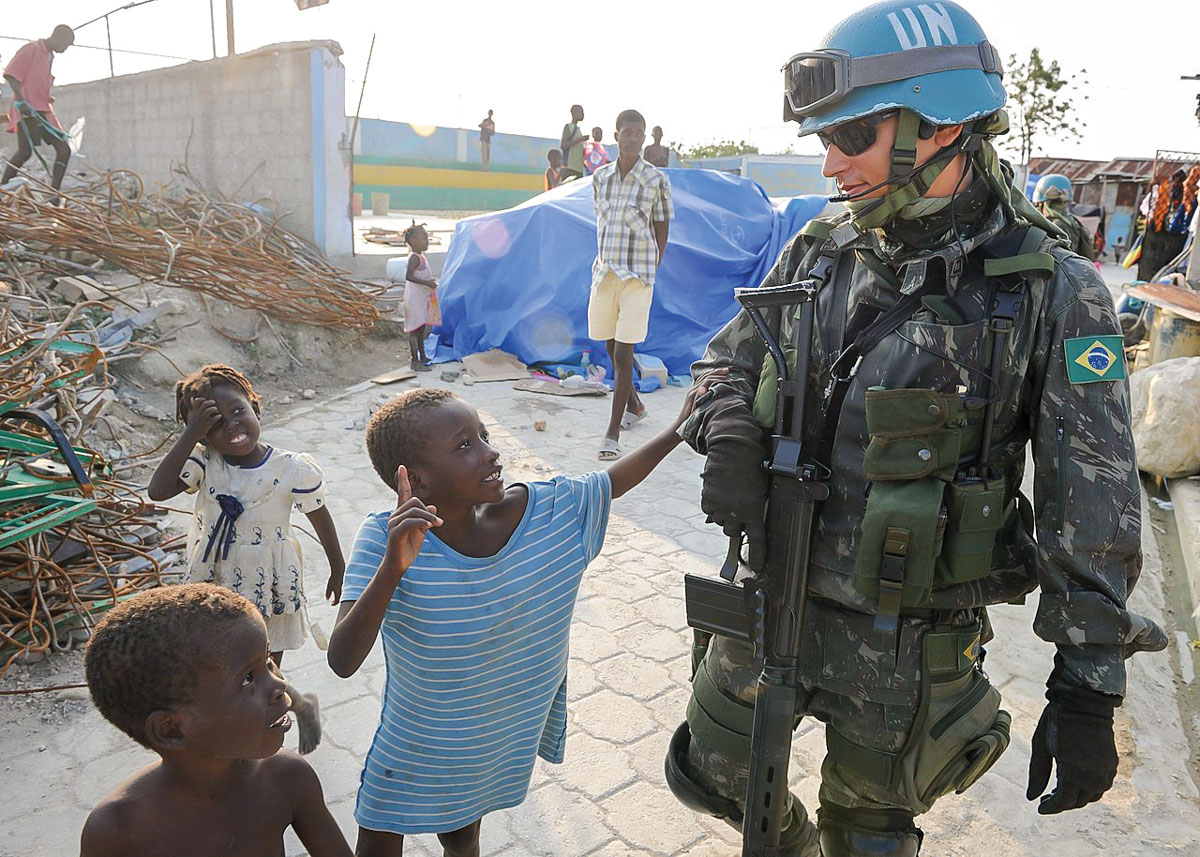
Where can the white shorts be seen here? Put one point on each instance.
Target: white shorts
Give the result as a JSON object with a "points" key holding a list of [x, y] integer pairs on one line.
{"points": [[619, 309]]}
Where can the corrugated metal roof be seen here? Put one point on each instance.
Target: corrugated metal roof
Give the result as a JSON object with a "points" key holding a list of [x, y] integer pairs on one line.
{"points": [[1129, 169], [1077, 170]]}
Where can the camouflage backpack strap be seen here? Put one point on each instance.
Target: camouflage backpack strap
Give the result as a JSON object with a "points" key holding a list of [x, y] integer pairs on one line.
{"points": [[831, 236], [1028, 258]]}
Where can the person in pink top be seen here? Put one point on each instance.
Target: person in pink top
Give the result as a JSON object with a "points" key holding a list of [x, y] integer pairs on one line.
{"points": [[594, 154], [31, 116]]}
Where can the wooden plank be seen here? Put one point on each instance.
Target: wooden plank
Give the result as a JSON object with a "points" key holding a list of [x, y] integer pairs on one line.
{"points": [[393, 377], [1183, 302]]}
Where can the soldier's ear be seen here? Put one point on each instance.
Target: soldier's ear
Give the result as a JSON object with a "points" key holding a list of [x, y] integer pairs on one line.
{"points": [[944, 135]]}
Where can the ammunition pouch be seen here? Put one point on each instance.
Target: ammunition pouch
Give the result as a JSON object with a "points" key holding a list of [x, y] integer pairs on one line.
{"points": [[924, 525], [958, 734]]}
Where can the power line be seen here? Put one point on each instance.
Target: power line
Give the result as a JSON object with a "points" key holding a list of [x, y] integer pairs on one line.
{"points": [[115, 50]]}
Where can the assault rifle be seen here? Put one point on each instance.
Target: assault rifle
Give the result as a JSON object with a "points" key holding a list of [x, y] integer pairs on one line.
{"points": [[768, 609]]}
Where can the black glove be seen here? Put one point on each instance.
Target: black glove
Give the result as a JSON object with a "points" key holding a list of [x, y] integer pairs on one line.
{"points": [[734, 488], [1076, 732]]}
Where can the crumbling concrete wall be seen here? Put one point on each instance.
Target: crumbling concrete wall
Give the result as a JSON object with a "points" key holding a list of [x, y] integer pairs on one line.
{"points": [[267, 125]]}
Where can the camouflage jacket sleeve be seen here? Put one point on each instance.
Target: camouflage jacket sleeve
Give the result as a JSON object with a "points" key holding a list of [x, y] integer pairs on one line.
{"points": [[738, 348], [1086, 491]]}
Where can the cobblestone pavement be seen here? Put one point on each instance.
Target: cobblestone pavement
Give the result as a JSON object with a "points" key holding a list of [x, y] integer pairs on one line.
{"points": [[628, 683]]}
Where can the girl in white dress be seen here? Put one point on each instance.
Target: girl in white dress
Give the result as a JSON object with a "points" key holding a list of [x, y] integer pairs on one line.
{"points": [[241, 534], [421, 309]]}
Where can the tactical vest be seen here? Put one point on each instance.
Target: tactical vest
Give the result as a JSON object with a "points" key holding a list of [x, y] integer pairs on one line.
{"points": [[935, 502]]}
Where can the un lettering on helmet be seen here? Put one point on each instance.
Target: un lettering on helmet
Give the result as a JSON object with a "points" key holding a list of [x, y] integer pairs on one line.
{"points": [[938, 23]]}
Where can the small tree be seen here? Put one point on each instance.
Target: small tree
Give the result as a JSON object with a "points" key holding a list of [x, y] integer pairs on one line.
{"points": [[1043, 101], [719, 149]]}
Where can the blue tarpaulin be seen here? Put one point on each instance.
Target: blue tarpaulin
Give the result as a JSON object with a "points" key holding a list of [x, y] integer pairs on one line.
{"points": [[519, 279]]}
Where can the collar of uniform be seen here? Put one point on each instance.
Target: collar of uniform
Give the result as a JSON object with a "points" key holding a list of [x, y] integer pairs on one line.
{"points": [[914, 270]]}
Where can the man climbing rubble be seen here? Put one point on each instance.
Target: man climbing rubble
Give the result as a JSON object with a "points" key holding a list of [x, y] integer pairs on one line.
{"points": [[946, 313], [31, 116]]}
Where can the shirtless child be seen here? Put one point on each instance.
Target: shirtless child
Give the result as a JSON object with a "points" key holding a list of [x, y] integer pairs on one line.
{"points": [[185, 672]]}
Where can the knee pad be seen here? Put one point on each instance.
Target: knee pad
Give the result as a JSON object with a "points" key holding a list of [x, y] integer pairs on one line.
{"points": [[867, 832], [690, 793]]}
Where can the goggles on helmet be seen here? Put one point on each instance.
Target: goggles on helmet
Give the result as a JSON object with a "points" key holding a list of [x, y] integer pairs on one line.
{"points": [[816, 80]]}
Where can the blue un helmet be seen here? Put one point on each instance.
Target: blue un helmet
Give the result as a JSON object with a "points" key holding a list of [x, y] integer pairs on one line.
{"points": [[930, 58], [931, 62], [1052, 187]]}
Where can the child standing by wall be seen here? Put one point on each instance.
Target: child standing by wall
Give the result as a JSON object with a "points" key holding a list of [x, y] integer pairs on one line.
{"points": [[241, 534], [421, 310], [554, 157], [594, 154], [472, 586], [184, 671]]}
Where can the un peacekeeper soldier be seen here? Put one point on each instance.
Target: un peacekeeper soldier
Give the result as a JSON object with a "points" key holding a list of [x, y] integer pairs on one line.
{"points": [[1052, 195], [1000, 331]]}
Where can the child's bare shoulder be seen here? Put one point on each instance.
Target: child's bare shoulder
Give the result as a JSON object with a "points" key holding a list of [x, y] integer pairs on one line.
{"points": [[113, 823], [290, 774]]}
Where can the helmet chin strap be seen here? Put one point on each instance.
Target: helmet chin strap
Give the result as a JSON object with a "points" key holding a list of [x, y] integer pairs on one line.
{"points": [[911, 181]]}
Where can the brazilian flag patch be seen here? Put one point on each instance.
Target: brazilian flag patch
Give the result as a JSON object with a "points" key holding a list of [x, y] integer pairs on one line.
{"points": [[1095, 358]]}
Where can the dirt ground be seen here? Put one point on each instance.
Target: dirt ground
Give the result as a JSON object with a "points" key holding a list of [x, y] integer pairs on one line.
{"points": [[612, 802]]}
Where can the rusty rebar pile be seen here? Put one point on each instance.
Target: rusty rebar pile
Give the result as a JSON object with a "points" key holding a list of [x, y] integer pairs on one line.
{"points": [[56, 580], [55, 585], [184, 237]]}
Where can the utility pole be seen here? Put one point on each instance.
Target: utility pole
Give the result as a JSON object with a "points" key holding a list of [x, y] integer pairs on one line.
{"points": [[1192, 274], [212, 26], [229, 26]]}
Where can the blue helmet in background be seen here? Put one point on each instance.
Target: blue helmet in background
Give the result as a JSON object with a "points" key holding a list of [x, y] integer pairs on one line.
{"points": [[1052, 187], [930, 58]]}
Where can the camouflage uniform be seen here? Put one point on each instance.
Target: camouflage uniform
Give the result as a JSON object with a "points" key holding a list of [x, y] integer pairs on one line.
{"points": [[865, 683]]}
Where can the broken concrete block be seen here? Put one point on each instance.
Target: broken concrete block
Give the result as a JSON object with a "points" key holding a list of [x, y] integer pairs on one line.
{"points": [[79, 288], [1164, 401], [170, 306], [309, 394]]}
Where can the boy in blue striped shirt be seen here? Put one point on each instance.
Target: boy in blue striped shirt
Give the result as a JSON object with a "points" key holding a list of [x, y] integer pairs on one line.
{"points": [[472, 586]]}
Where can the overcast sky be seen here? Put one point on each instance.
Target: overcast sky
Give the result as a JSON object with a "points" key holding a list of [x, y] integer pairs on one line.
{"points": [[703, 70]]}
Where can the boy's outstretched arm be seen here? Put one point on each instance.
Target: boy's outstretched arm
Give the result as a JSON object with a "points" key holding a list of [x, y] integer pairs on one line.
{"points": [[322, 522], [358, 621], [311, 819], [628, 472], [165, 483]]}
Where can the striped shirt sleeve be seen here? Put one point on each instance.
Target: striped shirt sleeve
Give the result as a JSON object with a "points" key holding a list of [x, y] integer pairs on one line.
{"points": [[592, 495], [370, 544]]}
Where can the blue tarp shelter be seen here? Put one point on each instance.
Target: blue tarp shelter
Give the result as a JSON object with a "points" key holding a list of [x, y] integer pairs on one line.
{"points": [[519, 279]]}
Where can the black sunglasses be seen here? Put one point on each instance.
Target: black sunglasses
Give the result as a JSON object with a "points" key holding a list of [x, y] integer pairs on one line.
{"points": [[854, 138]]}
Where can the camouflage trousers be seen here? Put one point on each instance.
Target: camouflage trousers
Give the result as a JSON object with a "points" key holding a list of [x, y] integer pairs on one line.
{"points": [[861, 682]]}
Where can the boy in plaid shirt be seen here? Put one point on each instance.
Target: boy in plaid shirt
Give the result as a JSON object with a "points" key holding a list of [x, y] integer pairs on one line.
{"points": [[633, 213]]}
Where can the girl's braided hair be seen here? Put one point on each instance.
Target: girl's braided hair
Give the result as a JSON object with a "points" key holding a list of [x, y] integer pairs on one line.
{"points": [[199, 385], [413, 230]]}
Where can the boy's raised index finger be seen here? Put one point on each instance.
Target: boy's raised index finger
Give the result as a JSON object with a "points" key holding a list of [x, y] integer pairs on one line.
{"points": [[403, 489]]}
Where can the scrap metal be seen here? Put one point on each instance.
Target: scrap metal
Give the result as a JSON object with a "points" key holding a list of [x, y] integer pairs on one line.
{"points": [[183, 236]]}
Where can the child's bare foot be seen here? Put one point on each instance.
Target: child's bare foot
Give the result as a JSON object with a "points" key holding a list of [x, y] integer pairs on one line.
{"points": [[308, 719]]}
